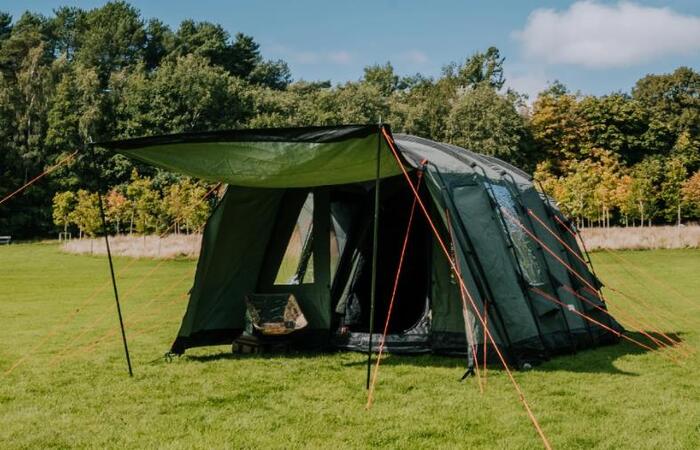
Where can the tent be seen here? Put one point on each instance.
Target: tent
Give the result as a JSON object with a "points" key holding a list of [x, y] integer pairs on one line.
{"points": [[298, 218]]}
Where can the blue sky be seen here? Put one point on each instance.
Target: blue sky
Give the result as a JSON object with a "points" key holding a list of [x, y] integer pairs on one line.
{"points": [[592, 46]]}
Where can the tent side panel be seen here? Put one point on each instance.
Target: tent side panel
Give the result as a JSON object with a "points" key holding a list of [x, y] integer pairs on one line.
{"points": [[578, 326], [232, 252], [449, 324], [599, 334], [479, 219]]}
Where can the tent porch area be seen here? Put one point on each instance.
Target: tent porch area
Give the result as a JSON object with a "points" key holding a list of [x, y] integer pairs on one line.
{"points": [[316, 244]]}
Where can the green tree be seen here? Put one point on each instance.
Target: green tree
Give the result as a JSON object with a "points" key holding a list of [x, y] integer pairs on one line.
{"points": [[647, 177], [383, 77], [673, 100], [160, 42], [113, 39], [86, 214], [146, 206], [558, 130], [63, 205], [483, 67], [117, 209], [484, 121], [185, 205], [422, 109], [617, 123], [182, 95], [675, 173]]}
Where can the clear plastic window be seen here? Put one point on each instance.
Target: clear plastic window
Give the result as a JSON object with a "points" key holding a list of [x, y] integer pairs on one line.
{"points": [[524, 246], [297, 266]]}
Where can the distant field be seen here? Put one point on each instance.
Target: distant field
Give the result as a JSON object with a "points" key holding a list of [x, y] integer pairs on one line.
{"points": [[63, 380], [642, 238]]}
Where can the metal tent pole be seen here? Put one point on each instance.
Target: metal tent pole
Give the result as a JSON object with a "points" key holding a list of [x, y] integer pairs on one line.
{"points": [[109, 258], [375, 248]]}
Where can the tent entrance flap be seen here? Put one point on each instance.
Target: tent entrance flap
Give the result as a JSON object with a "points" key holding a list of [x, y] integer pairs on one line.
{"points": [[414, 281]]}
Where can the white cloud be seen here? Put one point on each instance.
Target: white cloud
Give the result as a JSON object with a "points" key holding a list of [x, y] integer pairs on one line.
{"points": [[414, 57], [531, 83], [340, 57], [594, 35]]}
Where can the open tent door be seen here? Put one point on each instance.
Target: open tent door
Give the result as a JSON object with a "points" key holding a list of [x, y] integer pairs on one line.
{"points": [[410, 314]]}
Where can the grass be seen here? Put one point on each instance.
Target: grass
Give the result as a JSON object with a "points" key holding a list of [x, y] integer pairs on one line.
{"points": [[72, 390]]}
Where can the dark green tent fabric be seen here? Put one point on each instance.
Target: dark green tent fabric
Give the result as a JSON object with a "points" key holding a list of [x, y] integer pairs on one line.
{"points": [[268, 158], [233, 247], [478, 203]]}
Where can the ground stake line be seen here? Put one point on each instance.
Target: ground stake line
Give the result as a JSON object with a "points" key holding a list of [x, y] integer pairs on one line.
{"points": [[370, 393], [38, 177], [598, 295]]}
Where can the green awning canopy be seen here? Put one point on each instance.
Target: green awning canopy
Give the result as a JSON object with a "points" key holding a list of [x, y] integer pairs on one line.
{"points": [[274, 158]]}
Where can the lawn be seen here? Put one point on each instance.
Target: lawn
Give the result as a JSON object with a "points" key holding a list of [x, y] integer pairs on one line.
{"points": [[63, 380]]}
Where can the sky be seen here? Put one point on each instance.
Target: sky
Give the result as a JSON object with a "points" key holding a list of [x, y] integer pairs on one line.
{"points": [[595, 47]]}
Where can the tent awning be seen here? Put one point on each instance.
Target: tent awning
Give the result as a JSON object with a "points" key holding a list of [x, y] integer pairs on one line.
{"points": [[269, 158]]}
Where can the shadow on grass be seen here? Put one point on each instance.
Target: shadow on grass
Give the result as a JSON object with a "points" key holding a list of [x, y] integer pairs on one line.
{"points": [[592, 360]]}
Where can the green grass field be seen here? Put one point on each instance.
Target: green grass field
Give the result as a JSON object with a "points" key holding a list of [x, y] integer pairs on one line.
{"points": [[63, 380]]}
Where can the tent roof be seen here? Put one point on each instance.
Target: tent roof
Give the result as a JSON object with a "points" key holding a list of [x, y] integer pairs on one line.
{"points": [[274, 158]]}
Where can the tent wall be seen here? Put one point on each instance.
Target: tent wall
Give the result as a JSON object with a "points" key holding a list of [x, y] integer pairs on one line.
{"points": [[486, 200], [232, 252]]}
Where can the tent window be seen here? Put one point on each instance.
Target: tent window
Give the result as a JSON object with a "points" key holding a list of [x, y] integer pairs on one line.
{"points": [[297, 266], [524, 246]]}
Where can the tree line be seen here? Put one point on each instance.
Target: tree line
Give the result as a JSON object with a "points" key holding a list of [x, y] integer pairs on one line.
{"points": [[106, 73], [139, 206]]}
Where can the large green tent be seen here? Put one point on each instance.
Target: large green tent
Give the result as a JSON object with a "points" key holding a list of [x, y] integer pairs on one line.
{"points": [[297, 217]]}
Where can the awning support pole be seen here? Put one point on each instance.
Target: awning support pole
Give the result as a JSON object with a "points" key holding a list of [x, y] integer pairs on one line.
{"points": [[375, 248], [109, 258]]}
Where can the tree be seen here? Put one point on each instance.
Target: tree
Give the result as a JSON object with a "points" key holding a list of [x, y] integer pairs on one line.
{"points": [[422, 109], [185, 205], [182, 95], [114, 38], [203, 39], [673, 99], [484, 121], [383, 77], [623, 200], [691, 194], [117, 208], [558, 129], [483, 67], [160, 42], [617, 123], [86, 214], [647, 176], [64, 203], [5, 26], [675, 173], [67, 27], [146, 206]]}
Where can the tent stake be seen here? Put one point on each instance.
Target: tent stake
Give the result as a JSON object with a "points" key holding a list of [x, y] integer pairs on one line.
{"points": [[109, 258], [375, 248]]}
